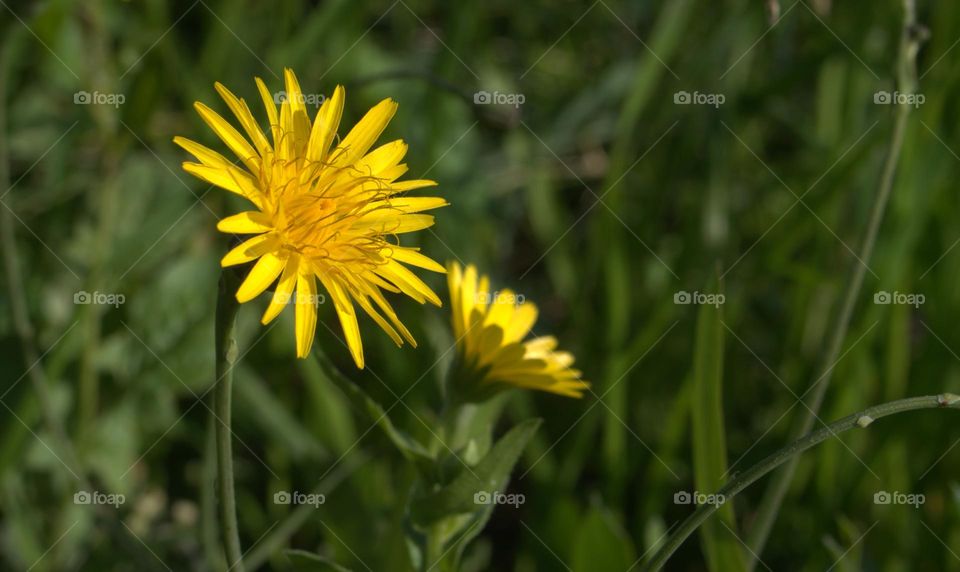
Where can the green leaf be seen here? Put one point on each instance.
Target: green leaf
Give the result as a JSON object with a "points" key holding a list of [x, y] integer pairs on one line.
{"points": [[722, 548], [304, 561], [601, 544], [489, 475]]}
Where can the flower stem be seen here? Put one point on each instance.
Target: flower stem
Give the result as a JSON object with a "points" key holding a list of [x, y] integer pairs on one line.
{"points": [[910, 41], [226, 356], [791, 451]]}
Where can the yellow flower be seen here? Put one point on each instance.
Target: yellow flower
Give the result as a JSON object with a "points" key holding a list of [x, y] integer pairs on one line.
{"points": [[491, 354], [324, 209]]}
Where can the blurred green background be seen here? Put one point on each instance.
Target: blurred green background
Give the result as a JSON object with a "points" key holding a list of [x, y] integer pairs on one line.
{"points": [[115, 397]]}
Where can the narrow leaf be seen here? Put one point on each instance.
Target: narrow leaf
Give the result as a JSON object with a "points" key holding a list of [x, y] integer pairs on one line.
{"points": [[722, 548], [490, 475]]}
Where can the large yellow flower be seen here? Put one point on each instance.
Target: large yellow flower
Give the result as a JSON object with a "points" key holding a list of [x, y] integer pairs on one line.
{"points": [[491, 354], [325, 208]]}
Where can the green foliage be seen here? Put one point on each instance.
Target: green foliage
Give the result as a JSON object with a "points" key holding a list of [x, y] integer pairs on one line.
{"points": [[92, 199]]}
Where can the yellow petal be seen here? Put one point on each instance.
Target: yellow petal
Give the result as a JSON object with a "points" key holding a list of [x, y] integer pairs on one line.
{"points": [[298, 112], [243, 115], [402, 186], [366, 287], [523, 319], [348, 318], [414, 258], [282, 296], [364, 303], [502, 309], [205, 155], [382, 158], [542, 344], [271, 106], [261, 276], [386, 221], [306, 316], [287, 146], [490, 340], [325, 126], [251, 250], [240, 146], [417, 204], [408, 282], [248, 222], [231, 179], [454, 279], [364, 134], [468, 294]]}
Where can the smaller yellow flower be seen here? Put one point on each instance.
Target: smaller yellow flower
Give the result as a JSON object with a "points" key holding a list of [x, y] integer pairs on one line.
{"points": [[491, 354]]}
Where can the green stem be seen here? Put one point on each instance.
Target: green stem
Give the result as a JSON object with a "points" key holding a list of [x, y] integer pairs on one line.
{"points": [[907, 84], [226, 356], [792, 451], [434, 548]]}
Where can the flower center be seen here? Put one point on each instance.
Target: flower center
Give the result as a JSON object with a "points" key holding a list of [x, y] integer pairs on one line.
{"points": [[315, 211]]}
